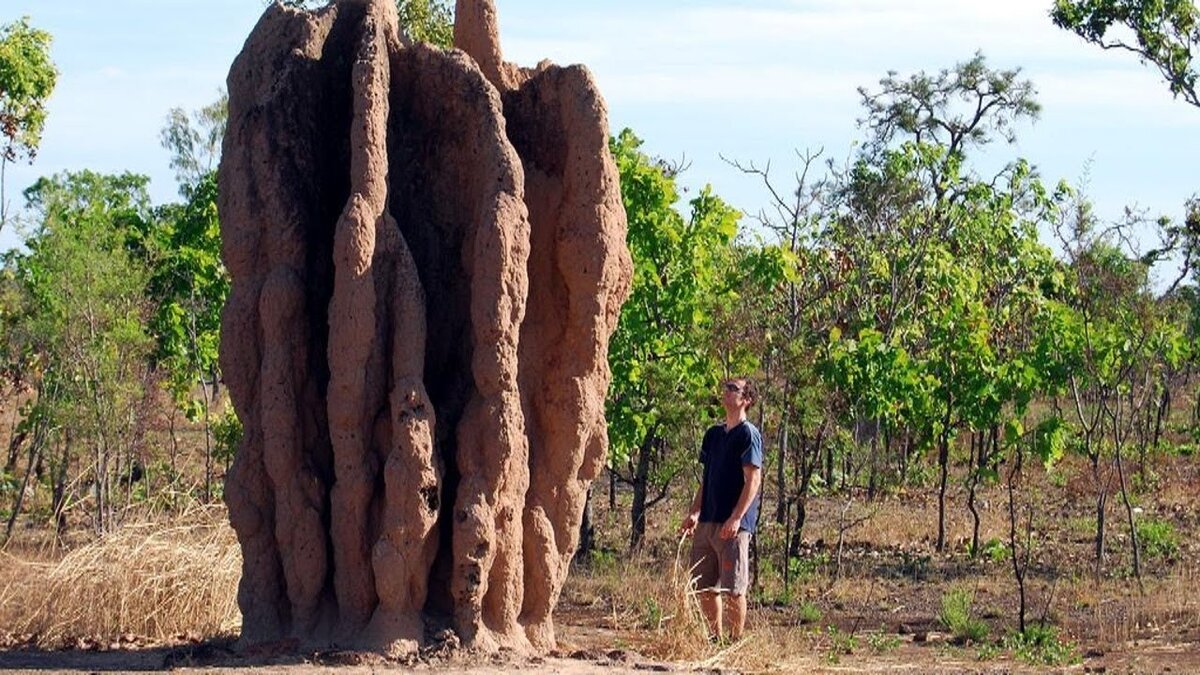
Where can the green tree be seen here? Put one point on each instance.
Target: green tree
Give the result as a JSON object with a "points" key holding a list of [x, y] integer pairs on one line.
{"points": [[1165, 33], [188, 283], [187, 288], [27, 78], [663, 368], [429, 21], [789, 285], [81, 325], [932, 253], [194, 141]]}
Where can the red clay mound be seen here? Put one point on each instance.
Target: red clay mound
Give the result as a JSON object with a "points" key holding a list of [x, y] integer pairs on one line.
{"points": [[428, 258]]}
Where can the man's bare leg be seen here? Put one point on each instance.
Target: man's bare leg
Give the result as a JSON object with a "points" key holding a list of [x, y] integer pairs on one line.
{"points": [[710, 606], [736, 606]]}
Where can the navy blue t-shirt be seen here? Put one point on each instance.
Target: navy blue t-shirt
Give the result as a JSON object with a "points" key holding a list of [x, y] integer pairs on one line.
{"points": [[723, 453]]}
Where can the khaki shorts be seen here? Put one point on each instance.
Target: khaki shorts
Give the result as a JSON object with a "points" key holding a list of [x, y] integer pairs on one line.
{"points": [[720, 564]]}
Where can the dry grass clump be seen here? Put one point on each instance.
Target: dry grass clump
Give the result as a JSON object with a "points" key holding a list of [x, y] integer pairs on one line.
{"points": [[659, 609], [154, 580], [1114, 613]]}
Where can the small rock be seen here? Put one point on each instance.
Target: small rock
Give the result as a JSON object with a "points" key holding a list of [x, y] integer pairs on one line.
{"points": [[622, 655]]}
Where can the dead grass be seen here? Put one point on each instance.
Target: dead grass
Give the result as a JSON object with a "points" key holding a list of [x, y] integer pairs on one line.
{"points": [[660, 610], [1114, 613], [151, 579]]}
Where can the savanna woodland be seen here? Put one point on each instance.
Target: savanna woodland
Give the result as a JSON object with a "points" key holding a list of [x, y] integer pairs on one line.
{"points": [[979, 401]]}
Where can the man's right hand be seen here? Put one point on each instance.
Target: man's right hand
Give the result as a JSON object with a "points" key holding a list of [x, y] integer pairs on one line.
{"points": [[689, 523]]}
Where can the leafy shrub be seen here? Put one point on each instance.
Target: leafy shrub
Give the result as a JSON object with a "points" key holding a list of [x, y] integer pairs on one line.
{"points": [[956, 616], [1158, 538], [882, 642], [227, 434], [915, 565], [803, 569], [995, 550], [603, 560], [809, 613], [840, 643], [652, 614], [1040, 645]]}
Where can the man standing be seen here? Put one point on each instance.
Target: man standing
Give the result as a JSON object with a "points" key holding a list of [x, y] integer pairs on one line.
{"points": [[725, 511]]}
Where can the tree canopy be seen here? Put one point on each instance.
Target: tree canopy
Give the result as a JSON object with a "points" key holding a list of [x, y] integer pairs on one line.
{"points": [[27, 78], [1165, 33]]}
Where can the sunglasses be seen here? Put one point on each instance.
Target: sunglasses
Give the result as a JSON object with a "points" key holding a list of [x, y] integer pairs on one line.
{"points": [[733, 386]]}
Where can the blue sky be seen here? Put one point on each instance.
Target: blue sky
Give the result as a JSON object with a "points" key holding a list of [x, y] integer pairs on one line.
{"points": [[754, 81]]}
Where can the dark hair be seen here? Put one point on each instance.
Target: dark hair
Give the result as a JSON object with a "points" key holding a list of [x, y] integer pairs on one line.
{"points": [[748, 390]]}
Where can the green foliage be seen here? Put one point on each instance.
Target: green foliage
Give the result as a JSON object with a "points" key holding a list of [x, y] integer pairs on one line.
{"points": [[808, 613], [956, 616], [189, 285], [194, 141], [950, 318], [77, 329], [957, 108], [1049, 441], [987, 651], [1158, 538], [227, 434], [1040, 644], [652, 614], [27, 78], [995, 551], [429, 21], [882, 642], [603, 560], [662, 367], [1165, 33], [841, 644]]}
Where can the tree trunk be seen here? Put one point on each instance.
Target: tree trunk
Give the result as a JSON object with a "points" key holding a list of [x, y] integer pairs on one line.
{"points": [[1018, 568], [1133, 534], [59, 491], [781, 501], [587, 532], [641, 480], [208, 447], [873, 468], [174, 443], [943, 467], [1101, 501], [19, 499], [15, 439], [829, 466], [977, 449], [810, 457], [612, 489], [1164, 410]]}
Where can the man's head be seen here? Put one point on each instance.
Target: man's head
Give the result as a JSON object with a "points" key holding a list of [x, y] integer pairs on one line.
{"points": [[737, 394]]}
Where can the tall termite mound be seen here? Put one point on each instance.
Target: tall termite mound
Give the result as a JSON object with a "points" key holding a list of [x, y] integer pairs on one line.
{"points": [[427, 251]]}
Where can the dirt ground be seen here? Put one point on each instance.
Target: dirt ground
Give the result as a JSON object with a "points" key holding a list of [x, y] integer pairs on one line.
{"points": [[876, 602], [587, 648], [909, 658]]}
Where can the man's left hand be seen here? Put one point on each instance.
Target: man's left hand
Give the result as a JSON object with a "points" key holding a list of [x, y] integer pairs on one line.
{"points": [[730, 529]]}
